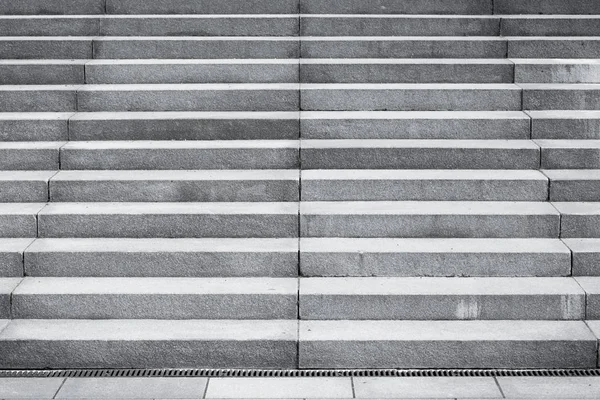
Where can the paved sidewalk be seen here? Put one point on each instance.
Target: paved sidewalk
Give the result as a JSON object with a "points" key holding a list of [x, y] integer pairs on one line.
{"points": [[301, 388]]}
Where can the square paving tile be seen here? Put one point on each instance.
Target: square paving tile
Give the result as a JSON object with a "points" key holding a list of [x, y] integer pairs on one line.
{"points": [[29, 388], [551, 387], [413, 388], [282, 388]]}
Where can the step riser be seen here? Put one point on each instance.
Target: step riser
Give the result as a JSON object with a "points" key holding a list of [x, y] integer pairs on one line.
{"points": [[46, 49], [554, 48], [15, 191], [566, 73], [395, 7], [154, 306], [583, 190], [580, 226], [419, 158], [20, 130], [29, 159], [166, 159], [434, 226], [568, 158], [565, 128], [18, 226], [403, 73], [38, 100], [545, 7], [173, 191], [41, 74], [557, 26], [548, 99], [422, 189], [441, 307]]}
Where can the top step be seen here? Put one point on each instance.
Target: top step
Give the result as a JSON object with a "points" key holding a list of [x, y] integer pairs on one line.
{"points": [[465, 7]]}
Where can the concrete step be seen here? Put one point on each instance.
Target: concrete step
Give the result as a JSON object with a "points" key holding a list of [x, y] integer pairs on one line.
{"points": [[158, 257], [411, 70], [175, 186], [149, 25], [34, 7], [330, 257], [556, 96], [186, 125], [427, 185], [41, 156], [591, 286], [545, 7], [202, 7], [550, 25], [574, 185], [410, 97], [436, 299], [570, 154], [169, 220], [579, 219], [553, 47], [556, 71], [396, 7], [415, 125], [565, 124], [32, 126], [429, 219], [155, 298], [46, 47], [189, 97], [195, 47], [24, 186], [586, 256], [419, 154], [18, 220], [11, 256], [42, 72], [403, 47], [443, 344], [7, 286], [398, 25], [149, 344], [169, 155], [38, 98]]}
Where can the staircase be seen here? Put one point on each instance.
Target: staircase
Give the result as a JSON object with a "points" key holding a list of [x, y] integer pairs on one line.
{"points": [[323, 184]]}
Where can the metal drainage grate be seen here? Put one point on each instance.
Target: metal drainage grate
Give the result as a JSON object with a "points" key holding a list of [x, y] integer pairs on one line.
{"points": [[196, 372]]}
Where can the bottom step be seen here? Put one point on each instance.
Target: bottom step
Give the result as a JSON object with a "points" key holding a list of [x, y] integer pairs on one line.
{"points": [[40, 344]]}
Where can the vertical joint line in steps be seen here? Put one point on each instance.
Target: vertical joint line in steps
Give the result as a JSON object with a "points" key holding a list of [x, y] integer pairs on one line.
{"points": [[205, 388], [352, 384], [60, 387], [23, 256], [499, 387]]}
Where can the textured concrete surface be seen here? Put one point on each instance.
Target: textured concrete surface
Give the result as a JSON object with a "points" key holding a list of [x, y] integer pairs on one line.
{"points": [[560, 96], [579, 219], [11, 256], [553, 47], [24, 186], [586, 256], [50, 25], [557, 71], [570, 124], [201, 7], [393, 7], [56, 7], [7, 286], [36, 72], [545, 7], [32, 126], [18, 220], [550, 25], [574, 185], [44, 98], [569, 154], [29, 155], [23, 47]]}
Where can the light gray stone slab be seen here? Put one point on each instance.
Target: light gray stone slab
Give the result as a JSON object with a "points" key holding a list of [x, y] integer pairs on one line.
{"points": [[29, 155], [184, 125], [192, 71], [433, 257], [201, 7], [20, 98], [24, 186], [430, 185], [11, 256], [122, 388], [162, 257], [550, 25], [569, 154], [31, 126], [149, 344], [174, 220], [553, 47], [7, 286], [18, 220], [574, 185], [154, 298], [569, 124], [561, 96], [586, 256], [20, 388], [199, 25], [591, 286], [190, 155], [416, 387], [414, 125], [284, 388], [372, 298], [550, 387], [545, 7], [403, 47], [410, 97], [442, 344], [398, 25], [404, 71], [45, 47], [579, 220], [217, 47], [41, 73], [419, 154], [429, 219], [49, 25], [563, 71], [393, 7]]}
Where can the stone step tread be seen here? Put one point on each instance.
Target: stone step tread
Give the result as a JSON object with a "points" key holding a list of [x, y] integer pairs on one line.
{"points": [[416, 143], [424, 174], [7, 286], [578, 208], [428, 208], [568, 143], [44, 176], [179, 144], [590, 284], [564, 114], [388, 286], [6, 146], [583, 245], [159, 245], [572, 174], [21, 208], [177, 175], [432, 246], [155, 286]]}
